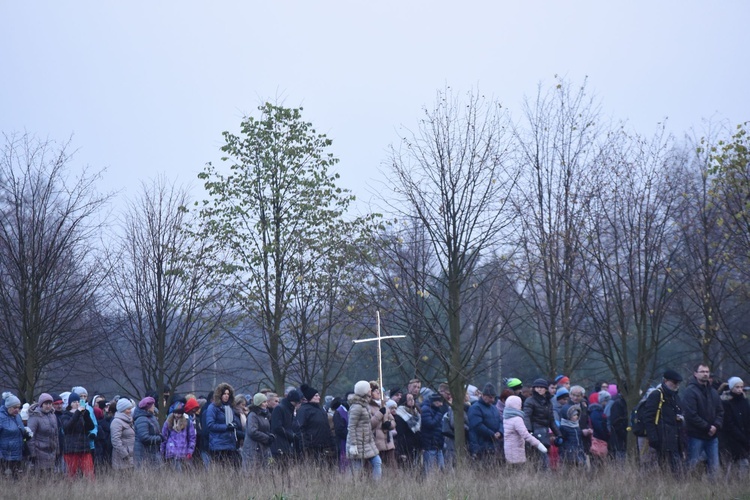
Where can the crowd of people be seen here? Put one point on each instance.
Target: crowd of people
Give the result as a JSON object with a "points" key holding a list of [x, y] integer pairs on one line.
{"points": [[549, 424]]}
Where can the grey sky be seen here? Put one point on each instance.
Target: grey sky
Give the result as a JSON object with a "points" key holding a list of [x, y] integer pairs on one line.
{"points": [[147, 87]]}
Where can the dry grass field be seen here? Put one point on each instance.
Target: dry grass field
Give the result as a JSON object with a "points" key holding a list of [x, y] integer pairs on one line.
{"points": [[621, 482]]}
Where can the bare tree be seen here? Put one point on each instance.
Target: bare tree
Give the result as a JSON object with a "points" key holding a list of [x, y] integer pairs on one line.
{"points": [[631, 279], [50, 275], [559, 148], [452, 175], [168, 306]]}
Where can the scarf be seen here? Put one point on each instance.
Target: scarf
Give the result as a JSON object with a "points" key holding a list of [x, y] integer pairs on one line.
{"points": [[568, 423], [509, 413], [413, 421]]}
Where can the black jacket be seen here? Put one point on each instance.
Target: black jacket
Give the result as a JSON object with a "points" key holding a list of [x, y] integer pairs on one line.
{"points": [[285, 429], [76, 427], [664, 435], [539, 413], [736, 430], [314, 427], [703, 409]]}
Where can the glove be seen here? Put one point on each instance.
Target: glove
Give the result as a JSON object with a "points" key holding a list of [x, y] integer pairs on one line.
{"points": [[558, 441], [28, 433], [541, 448], [271, 438], [382, 410], [386, 425], [353, 451]]}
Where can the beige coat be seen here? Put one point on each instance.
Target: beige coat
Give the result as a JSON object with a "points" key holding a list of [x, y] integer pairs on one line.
{"points": [[360, 430], [383, 439], [123, 441]]}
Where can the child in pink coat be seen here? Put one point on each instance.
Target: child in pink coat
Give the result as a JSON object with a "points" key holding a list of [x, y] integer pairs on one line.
{"points": [[515, 432]]}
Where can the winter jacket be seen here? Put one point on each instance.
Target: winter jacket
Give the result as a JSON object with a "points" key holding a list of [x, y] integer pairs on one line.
{"points": [[664, 435], [178, 437], [147, 438], [539, 416], [359, 431], [11, 436], [484, 422], [516, 432], [44, 446], [76, 428], [702, 407], [571, 450], [258, 438], [285, 428], [314, 428], [618, 425], [104, 441], [598, 421], [123, 441], [220, 436], [431, 433], [408, 428], [736, 428], [382, 424]]}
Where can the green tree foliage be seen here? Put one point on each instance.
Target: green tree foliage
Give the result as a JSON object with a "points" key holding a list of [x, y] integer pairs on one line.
{"points": [[281, 218]]}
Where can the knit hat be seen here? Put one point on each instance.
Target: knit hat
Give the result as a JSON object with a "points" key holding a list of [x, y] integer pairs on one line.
{"points": [[562, 392], [361, 388], [146, 402], [734, 381], [514, 383], [434, 397], [191, 405], [540, 382], [73, 398], [308, 392], [489, 390], [612, 389], [394, 391], [391, 404], [260, 398], [123, 404], [558, 378], [10, 400], [80, 390], [45, 398], [562, 380], [25, 411], [56, 398], [179, 408], [604, 397], [295, 397]]}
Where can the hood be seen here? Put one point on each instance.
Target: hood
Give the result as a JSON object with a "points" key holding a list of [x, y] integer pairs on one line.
{"points": [[220, 390], [513, 402], [122, 416], [364, 401]]}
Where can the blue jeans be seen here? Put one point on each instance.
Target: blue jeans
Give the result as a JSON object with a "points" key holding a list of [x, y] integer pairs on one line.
{"points": [[375, 462], [433, 458], [697, 448]]}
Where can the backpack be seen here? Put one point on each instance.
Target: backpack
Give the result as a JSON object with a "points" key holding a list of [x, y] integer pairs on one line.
{"points": [[637, 424]]}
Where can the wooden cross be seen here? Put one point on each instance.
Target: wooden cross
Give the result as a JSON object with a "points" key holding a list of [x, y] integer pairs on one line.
{"points": [[377, 339]]}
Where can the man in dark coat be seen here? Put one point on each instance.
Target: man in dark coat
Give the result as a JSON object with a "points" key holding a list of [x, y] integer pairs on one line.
{"points": [[318, 445], [287, 443], [484, 425], [431, 433], [704, 416], [663, 419]]}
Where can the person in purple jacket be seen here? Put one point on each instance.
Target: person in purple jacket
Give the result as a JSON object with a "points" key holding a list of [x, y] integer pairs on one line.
{"points": [[178, 438]]}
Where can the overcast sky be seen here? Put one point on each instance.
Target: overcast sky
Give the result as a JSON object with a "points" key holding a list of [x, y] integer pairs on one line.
{"points": [[148, 87]]}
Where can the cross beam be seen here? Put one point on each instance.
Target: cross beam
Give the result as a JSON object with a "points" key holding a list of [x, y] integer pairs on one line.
{"points": [[378, 339]]}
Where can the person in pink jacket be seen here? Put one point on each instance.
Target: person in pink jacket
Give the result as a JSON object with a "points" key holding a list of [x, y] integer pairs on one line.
{"points": [[516, 432]]}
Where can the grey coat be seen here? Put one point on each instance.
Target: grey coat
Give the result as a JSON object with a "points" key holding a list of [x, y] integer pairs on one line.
{"points": [[258, 439], [123, 441], [44, 447]]}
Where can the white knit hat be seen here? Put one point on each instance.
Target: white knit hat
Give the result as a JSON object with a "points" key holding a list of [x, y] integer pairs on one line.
{"points": [[361, 388], [734, 381], [123, 404]]}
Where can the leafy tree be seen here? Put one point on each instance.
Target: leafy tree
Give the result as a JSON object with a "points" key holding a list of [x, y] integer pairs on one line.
{"points": [[280, 216]]}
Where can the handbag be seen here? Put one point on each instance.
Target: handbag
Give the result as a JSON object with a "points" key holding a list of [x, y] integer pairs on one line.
{"points": [[542, 434], [598, 447]]}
